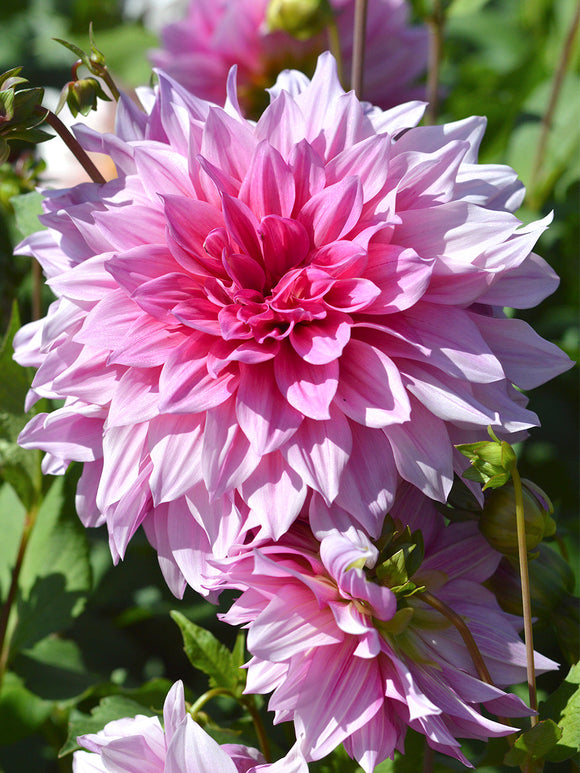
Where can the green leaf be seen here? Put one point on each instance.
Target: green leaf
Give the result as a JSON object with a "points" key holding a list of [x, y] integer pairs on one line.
{"points": [[534, 744], [56, 572], [563, 706], [21, 712], [17, 466], [12, 515], [209, 655], [110, 708], [27, 208]]}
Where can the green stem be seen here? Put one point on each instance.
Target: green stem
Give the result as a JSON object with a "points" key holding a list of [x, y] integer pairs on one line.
{"points": [[526, 602], [207, 697], [246, 703], [29, 522], [436, 23], [259, 726], [358, 48], [72, 144], [36, 291], [106, 76], [555, 93], [334, 47]]}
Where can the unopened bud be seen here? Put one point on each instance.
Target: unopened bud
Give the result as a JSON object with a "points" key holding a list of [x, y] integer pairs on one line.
{"points": [[498, 519], [551, 583], [81, 96], [300, 18]]}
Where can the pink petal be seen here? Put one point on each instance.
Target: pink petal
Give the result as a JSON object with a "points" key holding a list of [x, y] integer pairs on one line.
{"points": [[332, 213], [309, 388], [322, 341], [268, 187], [175, 447]]}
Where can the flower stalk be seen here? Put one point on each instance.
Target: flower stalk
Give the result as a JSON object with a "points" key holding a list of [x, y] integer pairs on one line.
{"points": [[358, 53], [526, 598], [72, 144], [436, 23]]}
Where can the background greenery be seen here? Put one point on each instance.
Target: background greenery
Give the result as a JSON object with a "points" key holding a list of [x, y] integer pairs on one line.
{"points": [[84, 635]]}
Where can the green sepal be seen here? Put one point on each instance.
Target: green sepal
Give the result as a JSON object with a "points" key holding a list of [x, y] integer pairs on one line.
{"points": [[492, 461]]}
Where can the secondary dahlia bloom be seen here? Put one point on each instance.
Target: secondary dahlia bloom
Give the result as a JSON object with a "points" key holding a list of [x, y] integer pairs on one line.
{"points": [[142, 745], [252, 312], [216, 34], [350, 661]]}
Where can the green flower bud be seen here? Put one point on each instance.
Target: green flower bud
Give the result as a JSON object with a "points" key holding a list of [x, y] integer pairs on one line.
{"points": [[20, 112], [551, 583], [300, 18], [81, 96], [498, 520]]}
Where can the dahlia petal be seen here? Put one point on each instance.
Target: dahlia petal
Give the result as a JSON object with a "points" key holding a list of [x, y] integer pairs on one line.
{"points": [[107, 322], [524, 286], [291, 622], [399, 273], [265, 417], [368, 159], [189, 222], [268, 187], [516, 345], [86, 495], [281, 123], [227, 457], [220, 519], [175, 447], [309, 172], [427, 177], [147, 343], [319, 452], [125, 516], [285, 245], [145, 226], [422, 452], [228, 143], [136, 397], [431, 138], [317, 101], [243, 225], [86, 282], [370, 390], [323, 341], [192, 750], [185, 385], [186, 544], [369, 479], [123, 452], [351, 294], [372, 743], [159, 296], [308, 388], [274, 487], [71, 433], [131, 268], [333, 212]]}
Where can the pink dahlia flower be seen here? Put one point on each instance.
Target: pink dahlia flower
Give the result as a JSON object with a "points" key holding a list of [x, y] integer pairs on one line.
{"points": [[350, 661], [216, 34], [141, 745], [252, 312]]}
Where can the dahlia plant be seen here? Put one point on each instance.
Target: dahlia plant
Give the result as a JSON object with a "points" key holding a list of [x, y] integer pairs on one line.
{"points": [[356, 652], [251, 315], [199, 50]]}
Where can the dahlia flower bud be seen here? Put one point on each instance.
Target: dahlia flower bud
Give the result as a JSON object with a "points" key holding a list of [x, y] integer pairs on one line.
{"points": [[300, 18], [19, 112], [551, 582], [81, 96], [498, 519]]}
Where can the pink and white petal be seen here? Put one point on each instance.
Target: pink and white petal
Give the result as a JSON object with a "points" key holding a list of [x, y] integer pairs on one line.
{"points": [[422, 452], [124, 448], [264, 415], [136, 397], [370, 390], [322, 341], [516, 345], [268, 187], [227, 457], [332, 213], [319, 452], [276, 493], [192, 750], [400, 274], [308, 388], [522, 287], [175, 445]]}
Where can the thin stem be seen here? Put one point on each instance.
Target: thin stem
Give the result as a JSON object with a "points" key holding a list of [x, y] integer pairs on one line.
{"points": [[358, 48], [106, 76], [555, 93], [436, 23], [464, 632], [72, 144], [36, 291], [334, 47], [29, 522], [259, 726], [207, 697], [526, 602], [428, 758]]}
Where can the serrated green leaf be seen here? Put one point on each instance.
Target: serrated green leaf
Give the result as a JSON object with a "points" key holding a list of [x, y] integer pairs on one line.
{"points": [[110, 708], [27, 208], [56, 572], [21, 712], [563, 707], [534, 744], [209, 655]]}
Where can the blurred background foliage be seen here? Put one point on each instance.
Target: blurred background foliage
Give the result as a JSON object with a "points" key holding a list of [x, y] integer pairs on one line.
{"points": [[81, 630]]}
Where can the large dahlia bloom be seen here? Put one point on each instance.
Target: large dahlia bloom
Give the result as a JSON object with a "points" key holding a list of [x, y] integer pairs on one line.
{"points": [[350, 661], [216, 34], [142, 745], [252, 312]]}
